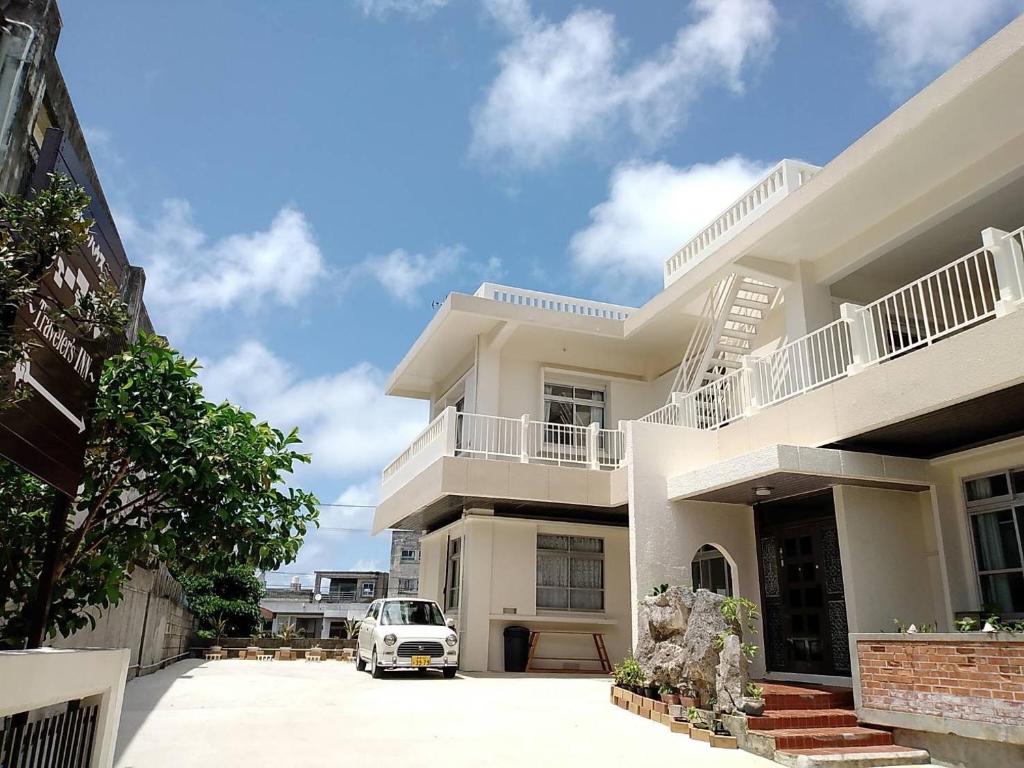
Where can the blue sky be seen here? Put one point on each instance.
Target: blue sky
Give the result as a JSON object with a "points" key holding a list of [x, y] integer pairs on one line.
{"points": [[302, 180]]}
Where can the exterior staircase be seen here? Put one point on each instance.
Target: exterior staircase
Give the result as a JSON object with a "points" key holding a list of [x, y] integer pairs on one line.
{"points": [[814, 727], [733, 311]]}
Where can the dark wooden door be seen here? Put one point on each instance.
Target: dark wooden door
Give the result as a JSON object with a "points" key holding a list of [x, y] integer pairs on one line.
{"points": [[802, 592]]}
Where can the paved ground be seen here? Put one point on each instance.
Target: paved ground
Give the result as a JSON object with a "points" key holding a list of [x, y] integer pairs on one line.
{"points": [[250, 714]]}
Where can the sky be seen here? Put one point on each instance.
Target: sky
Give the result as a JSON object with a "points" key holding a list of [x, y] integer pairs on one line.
{"points": [[304, 181]]}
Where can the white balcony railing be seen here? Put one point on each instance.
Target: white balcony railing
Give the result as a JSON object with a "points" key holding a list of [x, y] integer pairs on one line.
{"points": [[481, 436], [554, 302], [970, 290], [775, 185]]}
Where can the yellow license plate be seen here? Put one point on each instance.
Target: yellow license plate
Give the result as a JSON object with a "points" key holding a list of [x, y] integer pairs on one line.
{"points": [[421, 661]]}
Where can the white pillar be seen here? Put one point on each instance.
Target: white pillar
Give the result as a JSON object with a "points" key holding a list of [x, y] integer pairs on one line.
{"points": [[754, 388], [1007, 257], [593, 454], [524, 438], [450, 429], [859, 328]]}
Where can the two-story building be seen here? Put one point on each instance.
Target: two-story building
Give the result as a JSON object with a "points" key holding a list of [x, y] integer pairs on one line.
{"points": [[323, 609], [821, 411]]}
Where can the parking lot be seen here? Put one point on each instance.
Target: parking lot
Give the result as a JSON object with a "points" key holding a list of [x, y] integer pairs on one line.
{"points": [[223, 714]]}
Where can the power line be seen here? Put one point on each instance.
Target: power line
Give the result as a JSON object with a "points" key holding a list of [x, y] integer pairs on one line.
{"points": [[351, 506]]}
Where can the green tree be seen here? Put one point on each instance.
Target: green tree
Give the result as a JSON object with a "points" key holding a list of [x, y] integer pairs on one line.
{"points": [[232, 594], [168, 476]]}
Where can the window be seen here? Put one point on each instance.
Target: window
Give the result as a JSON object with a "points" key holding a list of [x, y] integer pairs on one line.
{"points": [[570, 573], [368, 588], [995, 506], [710, 571], [408, 585], [409, 555], [453, 575], [578, 406], [412, 612]]}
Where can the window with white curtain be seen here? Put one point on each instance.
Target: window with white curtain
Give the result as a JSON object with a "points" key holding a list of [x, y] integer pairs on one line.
{"points": [[570, 573], [995, 506]]}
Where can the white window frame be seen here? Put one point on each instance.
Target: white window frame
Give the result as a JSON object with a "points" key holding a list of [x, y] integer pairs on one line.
{"points": [[413, 558], [570, 555], [1011, 502], [453, 574], [574, 400]]}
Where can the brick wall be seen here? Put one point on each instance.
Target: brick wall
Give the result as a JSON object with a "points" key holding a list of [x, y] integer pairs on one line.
{"points": [[980, 680]]}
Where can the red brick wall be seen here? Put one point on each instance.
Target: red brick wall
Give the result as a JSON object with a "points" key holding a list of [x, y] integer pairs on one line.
{"points": [[963, 679]]}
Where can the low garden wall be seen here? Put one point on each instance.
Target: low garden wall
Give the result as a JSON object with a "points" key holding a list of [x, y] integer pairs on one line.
{"points": [[967, 684]]}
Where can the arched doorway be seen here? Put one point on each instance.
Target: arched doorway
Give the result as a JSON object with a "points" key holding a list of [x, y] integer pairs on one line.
{"points": [[711, 571]]}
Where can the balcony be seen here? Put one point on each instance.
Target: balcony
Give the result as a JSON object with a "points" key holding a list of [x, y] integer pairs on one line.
{"points": [[499, 438], [973, 289], [776, 185]]}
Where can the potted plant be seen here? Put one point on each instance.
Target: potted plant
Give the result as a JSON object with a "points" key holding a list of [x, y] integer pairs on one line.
{"points": [[753, 702], [219, 627], [253, 649], [719, 736], [314, 651], [668, 694], [287, 633], [650, 690], [688, 695], [699, 727], [633, 675]]}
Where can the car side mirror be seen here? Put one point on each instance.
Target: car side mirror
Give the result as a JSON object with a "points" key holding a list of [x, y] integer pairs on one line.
{"points": [[450, 624]]}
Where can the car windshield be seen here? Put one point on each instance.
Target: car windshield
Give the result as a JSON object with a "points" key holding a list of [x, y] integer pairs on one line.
{"points": [[412, 612]]}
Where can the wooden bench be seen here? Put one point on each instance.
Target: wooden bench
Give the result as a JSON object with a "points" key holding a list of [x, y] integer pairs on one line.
{"points": [[264, 657], [598, 637]]}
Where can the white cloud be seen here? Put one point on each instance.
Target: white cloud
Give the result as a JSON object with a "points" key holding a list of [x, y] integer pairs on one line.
{"points": [[918, 39], [651, 211], [345, 421], [416, 9], [404, 275], [188, 276], [564, 82]]}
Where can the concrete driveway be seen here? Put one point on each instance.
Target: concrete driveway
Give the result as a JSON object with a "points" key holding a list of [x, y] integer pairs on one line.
{"points": [[224, 714]]}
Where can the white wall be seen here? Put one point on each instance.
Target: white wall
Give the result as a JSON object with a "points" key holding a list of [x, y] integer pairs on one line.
{"points": [[664, 535], [884, 553]]}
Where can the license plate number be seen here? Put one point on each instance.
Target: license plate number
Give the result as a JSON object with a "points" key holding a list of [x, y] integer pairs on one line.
{"points": [[421, 661]]}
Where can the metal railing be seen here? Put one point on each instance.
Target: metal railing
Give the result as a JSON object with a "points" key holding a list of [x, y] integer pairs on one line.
{"points": [[63, 739], [431, 433], [716, 404], [802, 365], [936, 305]]}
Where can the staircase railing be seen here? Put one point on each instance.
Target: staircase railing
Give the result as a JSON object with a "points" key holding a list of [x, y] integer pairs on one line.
{"points": [[702, 341]]}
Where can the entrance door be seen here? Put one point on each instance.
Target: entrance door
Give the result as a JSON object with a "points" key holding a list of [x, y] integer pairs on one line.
{"points": [[802, 592]]}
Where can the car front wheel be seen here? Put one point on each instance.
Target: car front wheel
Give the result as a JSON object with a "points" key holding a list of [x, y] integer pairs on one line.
{"points": [[375, 669], [449, 672]]}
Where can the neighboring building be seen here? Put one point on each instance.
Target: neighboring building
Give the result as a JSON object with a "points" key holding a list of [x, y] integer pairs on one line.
{"points": [[321, 610], [404, 578], [820, 412]]}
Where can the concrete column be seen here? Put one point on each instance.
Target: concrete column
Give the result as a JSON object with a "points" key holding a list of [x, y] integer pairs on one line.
{"points": [[593, 457], [524, 439], [1007, 257], [450, 429], [754, 388], [807, 305], [475, 607], [860, 350]]}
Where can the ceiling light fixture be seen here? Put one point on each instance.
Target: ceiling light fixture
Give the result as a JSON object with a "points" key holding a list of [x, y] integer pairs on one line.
{"points": [[762, 490]]}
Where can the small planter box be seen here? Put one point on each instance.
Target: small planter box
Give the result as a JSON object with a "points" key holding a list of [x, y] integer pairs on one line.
{"points": [[660, 707], [680, 726], [722, 741], [285, 654], [700, 734]]}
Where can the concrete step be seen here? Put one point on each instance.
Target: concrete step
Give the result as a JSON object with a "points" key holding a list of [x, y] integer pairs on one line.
{"points": [[787, 739], [802, 718], [853, 757], [783, 696]]}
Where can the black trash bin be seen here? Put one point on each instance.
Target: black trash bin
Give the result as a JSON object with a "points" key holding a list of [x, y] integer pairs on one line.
{"points": [[517, 648]]}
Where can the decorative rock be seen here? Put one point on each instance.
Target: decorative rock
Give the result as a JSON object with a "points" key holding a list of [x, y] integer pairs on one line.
{"points": [[731, 677]]}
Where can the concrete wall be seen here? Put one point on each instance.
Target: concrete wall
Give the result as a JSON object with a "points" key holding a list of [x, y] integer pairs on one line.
{"points": [[499, 575], [664, 535], [153, 617], [884, 554]]}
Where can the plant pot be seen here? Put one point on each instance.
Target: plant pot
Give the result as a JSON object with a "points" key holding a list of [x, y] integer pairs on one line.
{"points": [[215, 649], [688, 701], [670, 698], [700, 734], [752, 707], [651, 692], [723, 741]]}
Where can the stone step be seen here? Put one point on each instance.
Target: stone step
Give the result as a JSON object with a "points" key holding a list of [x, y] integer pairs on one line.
{"points": [[787, 739], [782, 696], [802, 718], [853, 757]]}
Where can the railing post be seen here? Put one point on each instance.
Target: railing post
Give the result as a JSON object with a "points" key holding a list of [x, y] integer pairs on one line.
{"points": [[449, 430], [1006, 255], [754, 394], [524, 439], [593, 455], [859, 351], [679, 400]]}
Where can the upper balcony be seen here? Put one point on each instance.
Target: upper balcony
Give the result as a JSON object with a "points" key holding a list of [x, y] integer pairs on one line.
{"points": [[478, 456], [967, 292], [772, 188]]}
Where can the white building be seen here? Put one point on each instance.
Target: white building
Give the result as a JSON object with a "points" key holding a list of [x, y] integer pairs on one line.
{"points": [[828, 394]]}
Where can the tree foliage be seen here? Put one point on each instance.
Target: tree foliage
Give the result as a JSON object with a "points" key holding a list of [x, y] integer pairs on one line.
{"points": [[232, 594], [168, 476]]}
